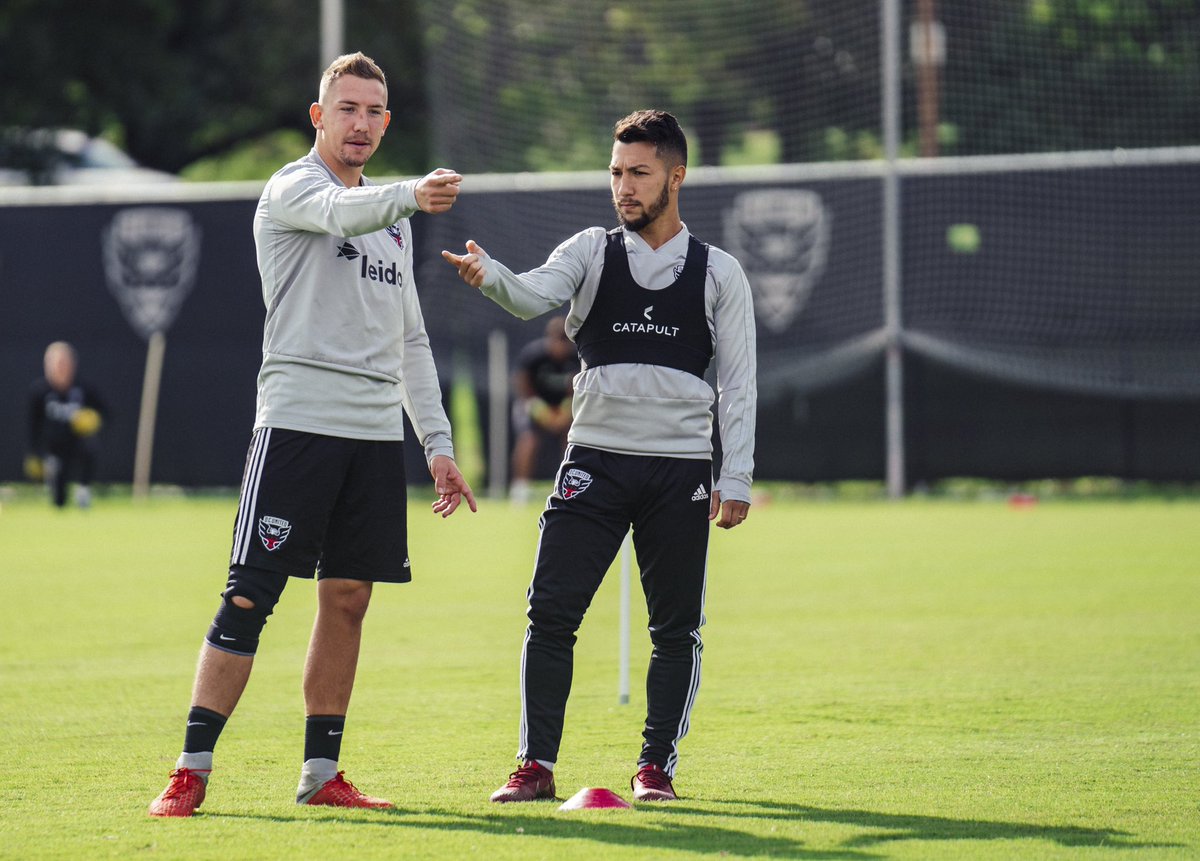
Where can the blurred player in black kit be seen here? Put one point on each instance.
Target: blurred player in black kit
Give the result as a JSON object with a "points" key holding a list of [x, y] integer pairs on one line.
{"points": [[64, 418], [542, 410]]}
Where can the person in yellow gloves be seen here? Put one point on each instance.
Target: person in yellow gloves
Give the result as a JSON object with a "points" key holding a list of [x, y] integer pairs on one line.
{"points": [[65, 417]]}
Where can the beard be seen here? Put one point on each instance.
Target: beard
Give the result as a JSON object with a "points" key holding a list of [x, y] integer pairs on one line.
{"points": [[353, 157], [649, 213]]}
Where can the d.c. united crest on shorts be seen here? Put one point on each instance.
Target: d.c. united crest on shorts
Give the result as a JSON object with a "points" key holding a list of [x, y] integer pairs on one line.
{"points": [[575, 482], [273, 531]]}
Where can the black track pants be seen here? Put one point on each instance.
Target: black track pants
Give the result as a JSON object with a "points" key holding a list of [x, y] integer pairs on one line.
{"points": [[598, 495]]}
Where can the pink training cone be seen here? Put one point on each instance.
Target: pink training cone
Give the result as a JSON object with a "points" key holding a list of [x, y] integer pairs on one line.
{"points": [[593, 798]]}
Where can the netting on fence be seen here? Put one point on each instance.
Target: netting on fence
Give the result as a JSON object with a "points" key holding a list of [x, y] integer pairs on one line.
{"points": [[1048, 165]]}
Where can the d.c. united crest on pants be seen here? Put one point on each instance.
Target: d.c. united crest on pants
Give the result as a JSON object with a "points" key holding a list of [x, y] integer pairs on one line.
{"points": [[575, 482]]}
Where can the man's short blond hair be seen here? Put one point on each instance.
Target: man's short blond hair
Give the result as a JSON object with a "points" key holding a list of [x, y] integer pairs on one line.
{"points": [[357, 64], [60, 348]]}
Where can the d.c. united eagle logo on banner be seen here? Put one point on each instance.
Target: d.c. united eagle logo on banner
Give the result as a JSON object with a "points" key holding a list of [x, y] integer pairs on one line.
{"points": [[151, 254], [781, 237]]}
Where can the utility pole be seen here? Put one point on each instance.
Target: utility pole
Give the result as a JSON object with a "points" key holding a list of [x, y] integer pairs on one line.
{"points": [[332, 30], [927, 45], [893, 328]]}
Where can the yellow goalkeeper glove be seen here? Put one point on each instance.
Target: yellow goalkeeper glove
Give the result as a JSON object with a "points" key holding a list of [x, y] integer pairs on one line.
{"points": [[538, 410], [86, 422], [35, 470]]}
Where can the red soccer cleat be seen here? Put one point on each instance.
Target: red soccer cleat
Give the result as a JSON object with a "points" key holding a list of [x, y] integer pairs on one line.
{"points": [[183, 794], [651, 783], [339, 792], [530, 782]]}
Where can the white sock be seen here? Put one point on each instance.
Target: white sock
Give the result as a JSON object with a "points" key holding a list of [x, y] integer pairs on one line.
{"points": [[200, 762], [549, 766], [519, 491], [315, 773]]}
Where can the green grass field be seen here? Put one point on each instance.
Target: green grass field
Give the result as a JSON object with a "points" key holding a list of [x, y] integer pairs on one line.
{"points": [[917, 680]]}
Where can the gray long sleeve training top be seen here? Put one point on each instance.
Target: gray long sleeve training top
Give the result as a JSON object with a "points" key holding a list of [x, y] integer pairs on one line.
{"points": [[345, 351], [651, 409]]}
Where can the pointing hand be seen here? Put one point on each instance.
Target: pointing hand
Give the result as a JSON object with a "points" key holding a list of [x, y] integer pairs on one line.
{"points": [[437, 191], [470, 265]]}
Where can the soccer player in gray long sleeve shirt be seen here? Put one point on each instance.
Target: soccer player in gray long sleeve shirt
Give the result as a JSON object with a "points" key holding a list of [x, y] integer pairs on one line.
{"points": [[650, 306], [345, 355]]}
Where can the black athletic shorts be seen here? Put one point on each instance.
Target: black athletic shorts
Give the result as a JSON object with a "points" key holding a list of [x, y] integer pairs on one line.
{"points": [[323, 505]]}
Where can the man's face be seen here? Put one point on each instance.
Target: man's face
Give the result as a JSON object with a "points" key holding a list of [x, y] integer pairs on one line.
{"points": [[350, 120], [60, 369], [640, 184]]}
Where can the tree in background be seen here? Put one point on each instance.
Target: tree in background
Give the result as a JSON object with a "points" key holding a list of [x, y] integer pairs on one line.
{"points": [[542, 82], [1053, 75], [175, 82], [536, 84]]}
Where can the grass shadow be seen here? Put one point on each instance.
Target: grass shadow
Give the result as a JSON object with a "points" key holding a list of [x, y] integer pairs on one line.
{"points": [[613, 828], [888, 827], [673, 827]]}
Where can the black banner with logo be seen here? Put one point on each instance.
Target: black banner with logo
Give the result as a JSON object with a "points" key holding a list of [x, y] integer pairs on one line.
{"points": [[104, 275]]}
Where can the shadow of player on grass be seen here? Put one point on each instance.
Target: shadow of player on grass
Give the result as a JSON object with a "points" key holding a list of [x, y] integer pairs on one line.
{"points": [[889, 827], [616, 828], [685, 834]]}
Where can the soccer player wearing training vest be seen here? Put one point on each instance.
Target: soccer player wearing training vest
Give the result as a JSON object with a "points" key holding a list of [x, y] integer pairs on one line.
{"points": [[345, 356], [650, 306]]}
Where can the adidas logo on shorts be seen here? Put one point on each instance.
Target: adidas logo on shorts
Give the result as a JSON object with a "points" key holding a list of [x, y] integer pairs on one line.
{"points": [[700, 494]]}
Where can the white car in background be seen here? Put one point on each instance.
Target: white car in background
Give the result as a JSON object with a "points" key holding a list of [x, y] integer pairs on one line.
{"points": [[68, 157]]}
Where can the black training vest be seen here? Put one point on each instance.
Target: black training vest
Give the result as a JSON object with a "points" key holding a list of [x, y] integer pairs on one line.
{"points": [[628, 323]]}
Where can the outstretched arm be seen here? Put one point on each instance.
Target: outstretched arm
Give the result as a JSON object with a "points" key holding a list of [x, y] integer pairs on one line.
{"points": [[528, 294]]}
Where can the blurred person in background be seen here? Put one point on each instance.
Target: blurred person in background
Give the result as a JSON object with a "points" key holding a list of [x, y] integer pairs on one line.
{"points": [[650, 307], [345, 357], [65, 416], [542, 381]]}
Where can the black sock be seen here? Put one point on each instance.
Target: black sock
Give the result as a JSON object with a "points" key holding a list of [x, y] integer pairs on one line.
{"points": [[323, 736], [203, 729]]}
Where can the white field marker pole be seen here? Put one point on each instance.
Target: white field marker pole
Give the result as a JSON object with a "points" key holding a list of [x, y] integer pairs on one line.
{"points": [[626, 576], [498, 418]]}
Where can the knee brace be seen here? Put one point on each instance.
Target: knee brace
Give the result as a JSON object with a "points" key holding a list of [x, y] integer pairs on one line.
{"points": [[236, 629]]}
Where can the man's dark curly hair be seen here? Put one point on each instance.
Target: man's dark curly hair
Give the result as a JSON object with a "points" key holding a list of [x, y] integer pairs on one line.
{"points": [[657, 127]]}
